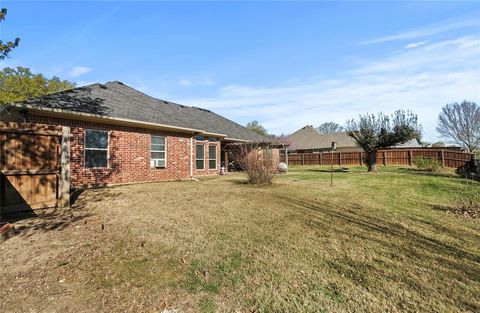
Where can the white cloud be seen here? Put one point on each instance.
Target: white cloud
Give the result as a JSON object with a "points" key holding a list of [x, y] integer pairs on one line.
{"points": [[201, 82], [426, 31], [422, 80], [185, 82], [415, 44], [78, 71]]}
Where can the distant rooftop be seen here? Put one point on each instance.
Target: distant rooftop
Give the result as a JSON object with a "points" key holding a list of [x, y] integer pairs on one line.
{"points": [[308, 138]]}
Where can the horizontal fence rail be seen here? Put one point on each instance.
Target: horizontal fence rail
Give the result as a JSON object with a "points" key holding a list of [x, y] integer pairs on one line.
{"points": [[448, 158]]}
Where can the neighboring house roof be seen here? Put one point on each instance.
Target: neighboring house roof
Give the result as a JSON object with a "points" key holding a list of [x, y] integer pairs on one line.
{"points": [[117, 100], [410, 144], [308, 138]]}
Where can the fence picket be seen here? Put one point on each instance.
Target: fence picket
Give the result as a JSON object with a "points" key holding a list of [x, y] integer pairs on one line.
{"points": [[449, 158]]}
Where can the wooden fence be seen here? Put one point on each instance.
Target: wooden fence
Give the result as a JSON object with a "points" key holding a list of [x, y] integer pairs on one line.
{"points": [[448, 158], [33, 167]]}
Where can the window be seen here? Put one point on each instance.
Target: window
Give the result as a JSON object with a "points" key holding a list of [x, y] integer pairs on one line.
{"points": [[96, 148], [212, 156], [158, 152], [212, 139], [200, 161], [200, 138]]}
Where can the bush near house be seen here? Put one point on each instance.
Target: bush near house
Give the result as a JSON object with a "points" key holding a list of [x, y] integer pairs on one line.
{"points": [[257, 162]]}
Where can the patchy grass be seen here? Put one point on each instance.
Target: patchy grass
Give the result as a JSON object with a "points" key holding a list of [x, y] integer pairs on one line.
{"points": [[371, 243]]}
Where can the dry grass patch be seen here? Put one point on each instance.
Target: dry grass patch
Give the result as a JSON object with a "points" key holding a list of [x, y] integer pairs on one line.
{"points": [[373, 243]]}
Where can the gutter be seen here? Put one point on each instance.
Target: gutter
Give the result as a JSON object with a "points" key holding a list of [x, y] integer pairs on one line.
{"points": [[237, 140], [54, 112]]}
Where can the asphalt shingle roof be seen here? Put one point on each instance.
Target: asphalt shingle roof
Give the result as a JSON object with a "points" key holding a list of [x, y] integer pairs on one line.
{"points": [[115, 99], [308, 138]]}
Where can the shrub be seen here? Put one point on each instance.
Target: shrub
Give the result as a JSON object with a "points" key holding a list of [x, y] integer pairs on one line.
{"points": [[467, 200], [257, 162], [427, 164]]}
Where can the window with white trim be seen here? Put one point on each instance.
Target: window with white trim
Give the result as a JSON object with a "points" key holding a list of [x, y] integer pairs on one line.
{"points": [[96, 148], [212, 156], [200, 157], [158, 151]]}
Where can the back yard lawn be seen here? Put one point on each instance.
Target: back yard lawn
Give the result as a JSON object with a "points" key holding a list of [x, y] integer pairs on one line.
{"points": [[372, 243]]}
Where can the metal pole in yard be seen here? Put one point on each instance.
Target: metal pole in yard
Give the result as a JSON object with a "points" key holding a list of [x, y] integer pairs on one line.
{"points": [[334, 147]]}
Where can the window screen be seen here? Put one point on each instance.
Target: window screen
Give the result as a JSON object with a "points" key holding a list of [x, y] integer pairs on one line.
{"points": [[96, 148], [158, 155], [212, 156], [200, 160]]}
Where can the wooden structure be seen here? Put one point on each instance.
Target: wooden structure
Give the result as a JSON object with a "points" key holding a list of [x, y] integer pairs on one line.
{"points": [[448, 158], [34, 167]]}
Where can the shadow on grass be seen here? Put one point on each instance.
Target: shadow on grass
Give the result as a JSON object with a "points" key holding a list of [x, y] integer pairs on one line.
{"points": [[415, 171], [335, 170], [239, 181], [26, 224], [406, 250]]}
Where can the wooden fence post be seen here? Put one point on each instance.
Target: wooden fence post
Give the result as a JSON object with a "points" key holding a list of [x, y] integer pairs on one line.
{"points": [[321, 158], [361, 158], [442, 155], [410, 157], [303, 159], [384, 157], [64, 186], [340, 158]]}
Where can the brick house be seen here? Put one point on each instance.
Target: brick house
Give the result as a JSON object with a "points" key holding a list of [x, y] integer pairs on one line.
{"points": [[121, 135]]}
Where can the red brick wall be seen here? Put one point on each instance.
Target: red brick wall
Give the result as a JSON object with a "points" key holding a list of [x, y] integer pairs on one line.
{"points": [[129, 154]]}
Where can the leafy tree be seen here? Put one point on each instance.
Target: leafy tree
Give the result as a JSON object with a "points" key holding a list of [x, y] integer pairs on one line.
{"points": [[18, 84], [6, 48], [256, 127], [375, 132], [460, 123], [330, 127]]}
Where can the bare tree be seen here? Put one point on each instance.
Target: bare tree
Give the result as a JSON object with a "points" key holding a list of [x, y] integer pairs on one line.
{"points": [[330, 127], [256, 161], [375, 132], [460, 123]]}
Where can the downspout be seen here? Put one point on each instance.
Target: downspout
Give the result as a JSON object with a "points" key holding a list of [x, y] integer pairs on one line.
{"points": [[191, 157]]}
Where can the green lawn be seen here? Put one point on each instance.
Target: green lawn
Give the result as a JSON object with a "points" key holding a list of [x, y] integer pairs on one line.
{"points": [[371, 243]]}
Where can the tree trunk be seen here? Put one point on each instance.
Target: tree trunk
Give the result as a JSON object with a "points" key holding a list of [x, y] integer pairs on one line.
{"points": [[372, 161]]}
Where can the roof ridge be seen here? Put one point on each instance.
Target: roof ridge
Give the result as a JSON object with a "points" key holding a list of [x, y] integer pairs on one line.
{"points": [[147, 95]]}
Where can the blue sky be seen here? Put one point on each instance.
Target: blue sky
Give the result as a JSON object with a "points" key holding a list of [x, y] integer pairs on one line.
{"points": [[285, 64]]}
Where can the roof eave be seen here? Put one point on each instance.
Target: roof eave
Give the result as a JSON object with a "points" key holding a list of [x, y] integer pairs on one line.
{"points": [[54, 112]]}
